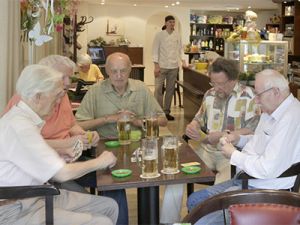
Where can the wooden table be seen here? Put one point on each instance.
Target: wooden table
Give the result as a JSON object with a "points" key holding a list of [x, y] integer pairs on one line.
{"points": [[148, 189]]}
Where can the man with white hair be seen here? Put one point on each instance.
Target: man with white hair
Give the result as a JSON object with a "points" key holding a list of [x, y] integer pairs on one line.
{"points": [[29, 160], [272, 149], [61, 129]]}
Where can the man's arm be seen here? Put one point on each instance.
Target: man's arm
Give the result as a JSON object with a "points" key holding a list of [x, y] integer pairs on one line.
{"points": [[74, 170]]}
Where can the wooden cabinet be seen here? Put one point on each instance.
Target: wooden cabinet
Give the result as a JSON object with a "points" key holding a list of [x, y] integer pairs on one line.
{"points": [[194, 86], [135, 53], [290, 12]]}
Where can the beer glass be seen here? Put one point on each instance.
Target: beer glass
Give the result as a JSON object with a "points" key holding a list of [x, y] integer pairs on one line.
{"points": [[124, 129], [151, 126], [149, 158], [170, 155]]}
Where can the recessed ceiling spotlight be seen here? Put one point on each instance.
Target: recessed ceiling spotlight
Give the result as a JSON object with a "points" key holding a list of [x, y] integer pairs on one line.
{"points": [[237, 9], [284, 2], [177, 3], [134, 4], [166, 6], [102, 3], [173, 4]]}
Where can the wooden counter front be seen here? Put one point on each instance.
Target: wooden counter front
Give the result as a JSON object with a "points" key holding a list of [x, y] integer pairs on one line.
{"points": [[194, 85]]}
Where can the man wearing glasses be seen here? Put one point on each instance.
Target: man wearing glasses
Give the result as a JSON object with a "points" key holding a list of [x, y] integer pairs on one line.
{"points": [[271, 150], [228, 107]]}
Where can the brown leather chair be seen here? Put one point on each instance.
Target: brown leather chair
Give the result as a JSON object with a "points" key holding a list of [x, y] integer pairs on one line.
{"points": [[267, 197], [19, 192], [263, 213]]}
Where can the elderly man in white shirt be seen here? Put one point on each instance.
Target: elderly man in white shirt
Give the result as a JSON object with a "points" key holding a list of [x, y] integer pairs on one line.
{"points": [[273, 148], [27, 159]]}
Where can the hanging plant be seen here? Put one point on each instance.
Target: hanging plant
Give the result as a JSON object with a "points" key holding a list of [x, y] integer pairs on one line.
{"points": [[55, 11]]}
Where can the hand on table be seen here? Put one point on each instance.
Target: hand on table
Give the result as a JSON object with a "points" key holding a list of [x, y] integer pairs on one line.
{"points": [[107, 159]]}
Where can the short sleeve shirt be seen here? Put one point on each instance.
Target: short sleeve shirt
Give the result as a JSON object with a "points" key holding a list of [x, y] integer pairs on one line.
{"points": [[236, 111], [57, 125], [102, 100], [93, 74], [25, 157]]}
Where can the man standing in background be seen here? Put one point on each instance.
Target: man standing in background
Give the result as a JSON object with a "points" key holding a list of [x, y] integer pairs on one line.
{"points": [[167, 50]]}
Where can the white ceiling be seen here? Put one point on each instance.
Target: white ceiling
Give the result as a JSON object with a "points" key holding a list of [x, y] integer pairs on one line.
{"points": [[215, 5]]}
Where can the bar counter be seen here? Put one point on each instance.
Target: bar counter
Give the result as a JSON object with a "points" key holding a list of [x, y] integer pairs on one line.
{"points": [[194, 86]]}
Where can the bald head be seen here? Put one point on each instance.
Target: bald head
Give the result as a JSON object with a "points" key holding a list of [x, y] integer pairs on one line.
{"points": [[118, 68], [117, 56]]}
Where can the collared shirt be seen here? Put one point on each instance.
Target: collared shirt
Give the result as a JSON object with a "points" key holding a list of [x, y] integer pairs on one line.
{"points": [[102, 100], [167, 49], [25, 157], [273, 148], [236, 111], [93, 74], [58, 124]]}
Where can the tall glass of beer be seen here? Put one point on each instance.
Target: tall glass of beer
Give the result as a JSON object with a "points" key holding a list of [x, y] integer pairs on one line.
{"points": [[151, 126], [124, 129], [149, 163], [170, 155]]}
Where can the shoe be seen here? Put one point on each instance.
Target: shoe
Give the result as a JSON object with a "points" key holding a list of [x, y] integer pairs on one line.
{"points": [[169, 117]]}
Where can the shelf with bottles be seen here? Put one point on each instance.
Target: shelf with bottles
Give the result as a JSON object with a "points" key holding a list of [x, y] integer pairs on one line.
{"points": [[210, 36], [256, 56]]}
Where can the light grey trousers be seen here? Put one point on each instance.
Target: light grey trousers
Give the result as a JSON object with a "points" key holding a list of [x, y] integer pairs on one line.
{"points": [[170, 76], [69, 208]]}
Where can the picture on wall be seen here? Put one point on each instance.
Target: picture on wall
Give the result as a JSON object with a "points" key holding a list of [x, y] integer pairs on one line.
{"points": [[114, 27]]}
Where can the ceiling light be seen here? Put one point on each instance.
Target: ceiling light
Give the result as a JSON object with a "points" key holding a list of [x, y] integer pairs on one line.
{"points": [[102, 3], [177, 3], [166, 6], [237, 9], [173, 4], [249, 7], [134, 4]]}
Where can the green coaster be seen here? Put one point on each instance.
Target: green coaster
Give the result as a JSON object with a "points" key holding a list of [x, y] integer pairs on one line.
{"points": [[121, 173], [191, 169], [112, 144]]}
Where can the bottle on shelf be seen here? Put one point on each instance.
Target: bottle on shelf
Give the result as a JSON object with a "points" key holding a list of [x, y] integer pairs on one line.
{"points": [[212, 31], [211, 44], [194, 30], [217, 45]]}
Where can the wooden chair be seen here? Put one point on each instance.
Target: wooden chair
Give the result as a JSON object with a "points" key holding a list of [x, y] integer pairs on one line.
{"points": [[294, 170], [225, 200], [19, 192]]}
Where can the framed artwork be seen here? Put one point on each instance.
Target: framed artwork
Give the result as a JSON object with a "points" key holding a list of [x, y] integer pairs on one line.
{"points": [[114, 27]]}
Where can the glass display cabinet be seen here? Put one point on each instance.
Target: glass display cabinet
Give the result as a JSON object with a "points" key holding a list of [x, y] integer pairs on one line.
{"points": [[257, 56]]}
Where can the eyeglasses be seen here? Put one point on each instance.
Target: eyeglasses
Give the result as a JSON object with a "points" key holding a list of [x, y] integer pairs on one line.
{"points": [[214, 84], [261, 93]]}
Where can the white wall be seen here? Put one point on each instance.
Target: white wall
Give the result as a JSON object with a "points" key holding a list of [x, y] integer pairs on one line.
{"points": [[140, 26]]}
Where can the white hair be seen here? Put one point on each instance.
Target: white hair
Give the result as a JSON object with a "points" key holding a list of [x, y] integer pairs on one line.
{"points": [[273, 78], [37, 79], [84, 59], [59, 63]]}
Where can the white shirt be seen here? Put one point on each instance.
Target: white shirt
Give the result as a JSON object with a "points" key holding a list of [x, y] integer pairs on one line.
{"points": [[167, 49], [25, 157], [273, 148]]}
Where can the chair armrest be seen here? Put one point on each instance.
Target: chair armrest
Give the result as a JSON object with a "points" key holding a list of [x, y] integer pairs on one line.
{"points": [[14, 192], [292, 171]]}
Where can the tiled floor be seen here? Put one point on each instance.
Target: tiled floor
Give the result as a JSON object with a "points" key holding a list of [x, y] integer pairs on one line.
{"points": [[177, 127]]}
